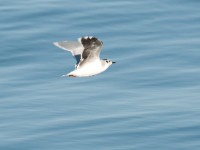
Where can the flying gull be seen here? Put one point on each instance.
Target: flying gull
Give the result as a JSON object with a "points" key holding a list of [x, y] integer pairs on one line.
{"points": [[86, 51]]}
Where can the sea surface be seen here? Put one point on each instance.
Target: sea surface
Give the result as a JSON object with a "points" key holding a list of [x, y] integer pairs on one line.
{"points": [[148, 100]]}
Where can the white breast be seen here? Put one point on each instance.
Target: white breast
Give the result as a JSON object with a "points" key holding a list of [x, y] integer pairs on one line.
{"points": [[89, 70]]}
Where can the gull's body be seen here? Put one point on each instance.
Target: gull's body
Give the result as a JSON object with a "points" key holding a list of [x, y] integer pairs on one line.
{"points": [[86, 51]]}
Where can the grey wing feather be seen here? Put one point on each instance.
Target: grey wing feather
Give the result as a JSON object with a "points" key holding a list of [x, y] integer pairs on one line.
{"points": [[75, 47], [92, 47], [83, 49]]}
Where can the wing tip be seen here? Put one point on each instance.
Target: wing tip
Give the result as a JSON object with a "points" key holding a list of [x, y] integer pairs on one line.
{"points": [[57, 44], [87, 40]]}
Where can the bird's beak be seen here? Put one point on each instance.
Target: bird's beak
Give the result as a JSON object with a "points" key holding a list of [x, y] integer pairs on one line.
{"points": [[113, 62]]}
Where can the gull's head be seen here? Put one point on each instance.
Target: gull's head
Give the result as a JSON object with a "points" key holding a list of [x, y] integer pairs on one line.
{"points": [[108, 62]]}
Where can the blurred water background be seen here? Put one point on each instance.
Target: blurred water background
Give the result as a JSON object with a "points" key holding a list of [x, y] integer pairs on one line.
{"points": [[148, 100]]}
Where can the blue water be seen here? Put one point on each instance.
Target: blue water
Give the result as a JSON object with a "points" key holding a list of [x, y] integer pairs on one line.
{"points": [[148, 100]]}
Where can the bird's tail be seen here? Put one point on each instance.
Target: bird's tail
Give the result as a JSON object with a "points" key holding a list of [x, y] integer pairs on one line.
{"points": [[69, 75], [65, 75]]}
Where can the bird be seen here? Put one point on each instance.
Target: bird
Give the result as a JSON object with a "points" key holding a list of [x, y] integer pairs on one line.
{"points": [[86, 50]]}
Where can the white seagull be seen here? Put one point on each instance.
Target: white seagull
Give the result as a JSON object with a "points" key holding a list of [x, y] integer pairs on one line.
{"points": [[86, 51]]}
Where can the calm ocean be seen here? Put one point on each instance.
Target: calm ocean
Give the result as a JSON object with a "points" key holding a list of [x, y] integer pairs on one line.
{"points": [[148, 100]]}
